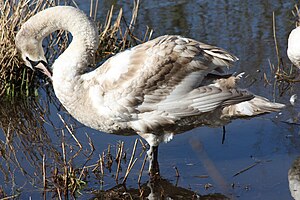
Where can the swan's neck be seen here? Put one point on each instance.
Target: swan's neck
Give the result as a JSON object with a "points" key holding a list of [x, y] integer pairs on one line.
{"points": [[72, 63]]}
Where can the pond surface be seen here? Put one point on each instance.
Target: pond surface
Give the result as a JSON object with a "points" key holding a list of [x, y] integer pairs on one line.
{"points": [[252, 162]]}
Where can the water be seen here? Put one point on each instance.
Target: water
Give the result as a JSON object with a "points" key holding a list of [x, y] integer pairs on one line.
{"points": [[243, 28]]}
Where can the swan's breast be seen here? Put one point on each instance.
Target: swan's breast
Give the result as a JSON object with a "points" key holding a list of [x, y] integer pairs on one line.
{"points": [[96, 96], [293, 50]]}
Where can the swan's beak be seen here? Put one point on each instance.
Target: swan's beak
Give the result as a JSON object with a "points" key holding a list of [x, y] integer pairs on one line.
{"points": [[41, 65], [43, 69]]}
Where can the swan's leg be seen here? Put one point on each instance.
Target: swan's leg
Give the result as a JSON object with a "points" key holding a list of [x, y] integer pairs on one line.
{"points": [[153, 162]]}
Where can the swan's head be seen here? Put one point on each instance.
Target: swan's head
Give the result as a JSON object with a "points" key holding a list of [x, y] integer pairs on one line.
{"points": [[31, 50]]}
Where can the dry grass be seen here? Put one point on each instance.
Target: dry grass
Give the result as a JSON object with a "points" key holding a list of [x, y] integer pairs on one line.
{"points": [[17, 80], [117, 36]]}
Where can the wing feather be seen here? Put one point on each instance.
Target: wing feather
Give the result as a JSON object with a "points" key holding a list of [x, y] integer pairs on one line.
{"points": [[158, 73], [204, 99]]}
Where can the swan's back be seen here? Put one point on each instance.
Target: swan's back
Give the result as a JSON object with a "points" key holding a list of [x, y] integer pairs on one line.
{"points": [[164, 62]]}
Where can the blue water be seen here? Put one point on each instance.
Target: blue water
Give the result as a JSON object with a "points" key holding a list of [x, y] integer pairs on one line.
{"points": [[243, 28]]}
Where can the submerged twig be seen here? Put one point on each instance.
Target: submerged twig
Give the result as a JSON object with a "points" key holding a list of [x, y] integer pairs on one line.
{"points": [[247, 168]]}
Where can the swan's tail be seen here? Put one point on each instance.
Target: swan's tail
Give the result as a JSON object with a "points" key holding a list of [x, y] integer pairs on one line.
{"points": [[256, 106]]}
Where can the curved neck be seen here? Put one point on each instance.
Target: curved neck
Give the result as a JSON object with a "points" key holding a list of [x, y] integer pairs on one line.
{"points": [[84, 43], [72, 63]]}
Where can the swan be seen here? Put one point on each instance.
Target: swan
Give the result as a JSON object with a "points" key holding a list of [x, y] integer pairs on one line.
{"points": [[162, 87], [293, 50], [294, 179]]}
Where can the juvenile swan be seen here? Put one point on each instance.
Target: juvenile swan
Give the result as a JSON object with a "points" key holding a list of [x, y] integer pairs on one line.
{"points": [[156, 89], [294, 179]]}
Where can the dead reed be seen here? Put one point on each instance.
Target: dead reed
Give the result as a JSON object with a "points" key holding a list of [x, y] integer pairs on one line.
{"points": [[15, 79]]}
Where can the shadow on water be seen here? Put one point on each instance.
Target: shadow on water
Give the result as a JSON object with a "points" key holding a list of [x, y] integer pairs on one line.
{"points": [[159, 189]]}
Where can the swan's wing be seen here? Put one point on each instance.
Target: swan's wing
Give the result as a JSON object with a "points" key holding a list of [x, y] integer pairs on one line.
{"points": [[204, 99], [161, 72]]}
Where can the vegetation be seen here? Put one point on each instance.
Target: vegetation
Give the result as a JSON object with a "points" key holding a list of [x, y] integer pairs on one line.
{"points": [[13, 76]]}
